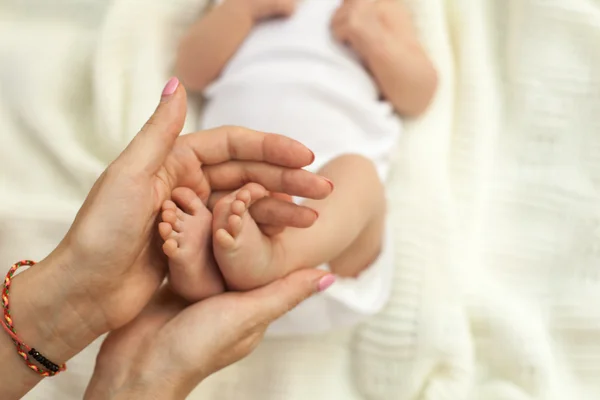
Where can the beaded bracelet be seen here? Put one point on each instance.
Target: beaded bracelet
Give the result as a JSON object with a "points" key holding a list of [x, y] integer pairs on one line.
{"points": [[22, 349]]}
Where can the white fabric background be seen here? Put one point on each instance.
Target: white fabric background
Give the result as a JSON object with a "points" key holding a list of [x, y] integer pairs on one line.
{"points": [[495, 195]]}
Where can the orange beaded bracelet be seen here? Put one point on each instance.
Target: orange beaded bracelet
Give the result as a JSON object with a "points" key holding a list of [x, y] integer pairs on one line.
{"points": [[23, 350]]}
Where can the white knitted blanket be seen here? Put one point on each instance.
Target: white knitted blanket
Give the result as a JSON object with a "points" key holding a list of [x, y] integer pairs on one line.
{"points": [[495, 195]]}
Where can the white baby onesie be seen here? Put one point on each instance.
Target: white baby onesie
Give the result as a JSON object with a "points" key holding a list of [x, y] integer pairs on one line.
{"points": [[291, 77]]}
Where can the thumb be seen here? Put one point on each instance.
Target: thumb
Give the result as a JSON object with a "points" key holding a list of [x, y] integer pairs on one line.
{"points": [[149, 148], [274, 300]]}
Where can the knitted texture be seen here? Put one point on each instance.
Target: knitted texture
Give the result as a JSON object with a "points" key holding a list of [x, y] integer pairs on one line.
{"points": [[494, 197]]}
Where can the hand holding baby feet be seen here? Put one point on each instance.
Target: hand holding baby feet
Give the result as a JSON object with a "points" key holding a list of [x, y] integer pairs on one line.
{"points": [[186, 230], [246, 256]]}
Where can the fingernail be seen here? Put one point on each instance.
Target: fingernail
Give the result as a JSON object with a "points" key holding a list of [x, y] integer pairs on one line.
{"points": [[325, 282], [170, 87], [316, 213], [313, 157], [330, 183]]}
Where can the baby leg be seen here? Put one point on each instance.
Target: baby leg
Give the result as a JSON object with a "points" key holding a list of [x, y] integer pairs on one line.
{"points": [[186, 229]]}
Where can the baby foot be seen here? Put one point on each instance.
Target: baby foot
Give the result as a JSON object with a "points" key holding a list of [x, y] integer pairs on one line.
{"points": [[245, 255], [185, 229]]}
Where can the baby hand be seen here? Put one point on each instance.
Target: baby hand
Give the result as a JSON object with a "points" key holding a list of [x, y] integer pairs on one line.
{"points": [[364, 24], [262, 9]]}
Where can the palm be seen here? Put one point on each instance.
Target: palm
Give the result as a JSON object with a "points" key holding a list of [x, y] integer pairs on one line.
{"points": [[136, 254], [175, 341]]}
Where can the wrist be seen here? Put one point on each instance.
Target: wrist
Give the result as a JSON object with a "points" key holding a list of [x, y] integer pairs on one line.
{"points": [[50, 312], [134, 389], [111, 382]]}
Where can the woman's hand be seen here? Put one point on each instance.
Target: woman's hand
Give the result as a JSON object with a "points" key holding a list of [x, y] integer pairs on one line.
{"points": [[382, 33], [120, 213], [110, 263], [172, 346]]}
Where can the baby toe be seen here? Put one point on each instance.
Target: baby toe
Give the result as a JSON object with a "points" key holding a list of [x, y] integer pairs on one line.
{"points": [[170, 217], [224, 240], [165, 230], [169, 205], [170, 248], [238, 207], [235, 225], [244, 196]]}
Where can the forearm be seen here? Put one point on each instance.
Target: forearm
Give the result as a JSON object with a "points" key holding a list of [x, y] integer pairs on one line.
{"points": [[46, 318], [404, 74], [211, 42], [356, 207]]}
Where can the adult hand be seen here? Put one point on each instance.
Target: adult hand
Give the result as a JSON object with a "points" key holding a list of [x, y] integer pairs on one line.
{"points": [[172, 346], [110, 262]]}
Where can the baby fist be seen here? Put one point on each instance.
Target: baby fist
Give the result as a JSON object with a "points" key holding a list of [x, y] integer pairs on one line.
{"points": [[358, 23]]}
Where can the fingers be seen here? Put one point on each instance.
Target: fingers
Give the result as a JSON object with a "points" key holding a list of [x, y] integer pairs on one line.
{"points": [[295, 182], [272, 211], [274, 226], [227, 143], [282, 196], [149, 148], [272, 301], [271, 230], [215, 196]]}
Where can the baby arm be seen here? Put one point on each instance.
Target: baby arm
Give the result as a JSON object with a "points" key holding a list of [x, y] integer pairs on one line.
{"points": [[213, 40], [382, 33]]}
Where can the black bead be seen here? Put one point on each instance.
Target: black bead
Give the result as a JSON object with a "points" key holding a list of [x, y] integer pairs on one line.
{"points": [[44, 361]]}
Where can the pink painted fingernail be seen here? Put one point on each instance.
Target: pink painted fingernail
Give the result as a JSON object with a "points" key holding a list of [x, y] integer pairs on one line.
{"points": [[325, 282], [170, 87]]}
